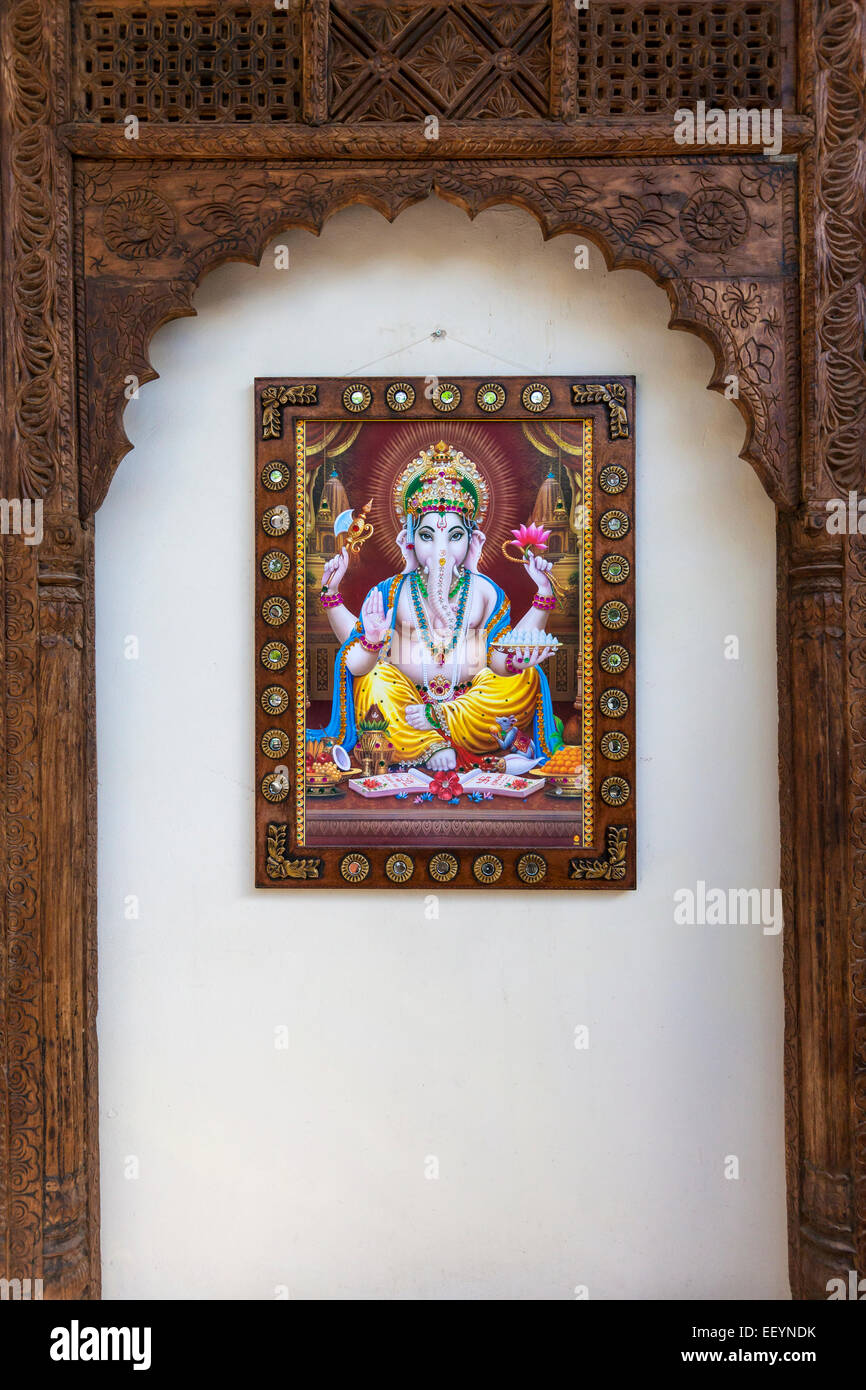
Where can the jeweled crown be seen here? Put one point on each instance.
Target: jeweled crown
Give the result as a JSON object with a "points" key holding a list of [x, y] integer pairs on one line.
{"points": [[440, 479]]}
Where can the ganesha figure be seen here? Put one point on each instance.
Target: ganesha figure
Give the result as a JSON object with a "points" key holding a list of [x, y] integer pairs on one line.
{"points": [[422, 649]]}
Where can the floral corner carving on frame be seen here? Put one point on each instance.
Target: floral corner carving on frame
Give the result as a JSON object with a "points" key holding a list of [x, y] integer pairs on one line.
{"points": [[278, 866], [273, 400], [612, 866], [613, 397]]}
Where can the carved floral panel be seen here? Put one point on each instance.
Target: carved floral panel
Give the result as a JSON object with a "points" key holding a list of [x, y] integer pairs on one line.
{"points": [[720, 238]]}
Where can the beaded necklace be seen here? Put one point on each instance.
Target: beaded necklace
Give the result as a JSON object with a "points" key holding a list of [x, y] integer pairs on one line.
{"points": [[454, 587], [441, 649]]}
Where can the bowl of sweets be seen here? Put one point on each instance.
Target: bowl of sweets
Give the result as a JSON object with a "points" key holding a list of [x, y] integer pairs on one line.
{"points": [[323, 775], [563, 772]]}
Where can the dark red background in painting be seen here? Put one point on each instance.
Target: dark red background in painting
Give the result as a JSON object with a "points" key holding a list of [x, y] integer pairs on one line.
{"points": [[520, 476]]}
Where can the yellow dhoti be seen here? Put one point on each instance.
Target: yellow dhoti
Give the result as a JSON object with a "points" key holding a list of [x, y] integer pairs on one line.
{"points": [[467, 718]]}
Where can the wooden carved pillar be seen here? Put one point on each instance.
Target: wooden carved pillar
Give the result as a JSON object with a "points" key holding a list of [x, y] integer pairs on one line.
{"points": [[813, 767], [855, 704], [68, 908], [48, 1139], [822, 664], [48, 1149]]}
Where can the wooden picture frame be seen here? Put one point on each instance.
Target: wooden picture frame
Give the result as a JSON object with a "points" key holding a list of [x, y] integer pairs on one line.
{"points": [[108, 226], [528, 444]]}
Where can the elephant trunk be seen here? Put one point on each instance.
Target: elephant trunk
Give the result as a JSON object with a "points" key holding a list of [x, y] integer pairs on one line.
{"points": [[441, 575]]}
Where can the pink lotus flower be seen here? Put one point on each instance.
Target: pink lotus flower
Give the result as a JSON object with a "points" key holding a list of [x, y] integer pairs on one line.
{"points": [[531, 535]]}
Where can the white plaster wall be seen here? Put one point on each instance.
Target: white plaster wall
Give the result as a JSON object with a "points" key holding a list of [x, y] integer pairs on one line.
{"points": [[305, 1167]]}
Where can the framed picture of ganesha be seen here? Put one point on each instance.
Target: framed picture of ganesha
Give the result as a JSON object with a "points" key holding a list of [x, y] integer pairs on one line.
{"points": [[444, 645]]}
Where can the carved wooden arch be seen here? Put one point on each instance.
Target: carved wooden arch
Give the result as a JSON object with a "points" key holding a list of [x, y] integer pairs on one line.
{"points": [[106, 238], [720, 241]]}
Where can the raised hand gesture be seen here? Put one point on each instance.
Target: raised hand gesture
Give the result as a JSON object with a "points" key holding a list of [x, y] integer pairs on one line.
{"points": [[374, 620]]}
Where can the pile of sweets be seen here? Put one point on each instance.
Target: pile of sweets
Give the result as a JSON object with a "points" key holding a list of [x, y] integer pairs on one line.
{"points": [[518, 639], [566, 762]]}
